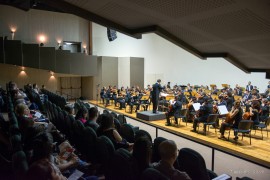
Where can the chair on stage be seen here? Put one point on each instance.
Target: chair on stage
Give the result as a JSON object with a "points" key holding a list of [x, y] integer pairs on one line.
{"points": [[263, 126], [211, 120], [183, 115], [244, 127]]}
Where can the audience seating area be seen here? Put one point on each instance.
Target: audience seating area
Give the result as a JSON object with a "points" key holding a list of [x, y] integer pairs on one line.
{"points": [[105, 159]]}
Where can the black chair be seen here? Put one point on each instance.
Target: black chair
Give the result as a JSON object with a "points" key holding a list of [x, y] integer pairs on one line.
{"points": [[89, 142], [105, 111], [104, 151], [183, 115], [155, 153], [263, 126], [77, 134], [19, 164], [143, 133], [123, 166], [193, 164], [122, 119], [127, 132], [117, 124], [244, 127], [153, 174], [211, 120]]}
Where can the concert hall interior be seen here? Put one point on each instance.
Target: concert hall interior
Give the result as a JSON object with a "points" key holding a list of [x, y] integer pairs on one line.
{"points": [[135, 89]]}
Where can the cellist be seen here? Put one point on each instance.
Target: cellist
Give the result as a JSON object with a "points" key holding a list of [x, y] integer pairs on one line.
{"points": [[232, 119]]}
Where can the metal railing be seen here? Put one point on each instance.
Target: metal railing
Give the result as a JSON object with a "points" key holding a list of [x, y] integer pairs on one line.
{"points": [[206, 144]]}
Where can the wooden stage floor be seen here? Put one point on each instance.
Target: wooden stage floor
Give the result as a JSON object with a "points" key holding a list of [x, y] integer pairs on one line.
{"points": [[258, 151]]}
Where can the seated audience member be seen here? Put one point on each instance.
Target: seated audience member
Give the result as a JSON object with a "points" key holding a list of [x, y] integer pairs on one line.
{"points": [[70, 110], [82, 115], [106, 128], [63, 162], [35, 88], [232, 120], [92, 121], [142, 152], [44, 170], [168, 153]]}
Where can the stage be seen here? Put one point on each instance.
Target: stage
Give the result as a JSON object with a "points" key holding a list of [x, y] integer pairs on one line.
{"points": [[258, 151]]}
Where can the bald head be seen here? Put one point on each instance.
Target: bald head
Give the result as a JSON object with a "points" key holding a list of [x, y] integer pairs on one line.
{"points": [[167, 150]]}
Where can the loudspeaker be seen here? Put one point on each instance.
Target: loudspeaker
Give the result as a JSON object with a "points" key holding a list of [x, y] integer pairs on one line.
{"points": [[111, 34], [267, 75]]}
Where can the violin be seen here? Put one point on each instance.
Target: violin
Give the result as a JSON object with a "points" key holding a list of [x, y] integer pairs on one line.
{"points": [[228, 119], [246, 116]]}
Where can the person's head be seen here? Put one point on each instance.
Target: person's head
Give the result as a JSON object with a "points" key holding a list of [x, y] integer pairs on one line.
{"points": [[43, 170], [256, 104], [69, 109], [106, 121], [158, 81], [237, 104], [168, 151], [142, 152], [93, 113], [82, 113], [22, 109], [249, 83], [42, 147], [35, 86]]}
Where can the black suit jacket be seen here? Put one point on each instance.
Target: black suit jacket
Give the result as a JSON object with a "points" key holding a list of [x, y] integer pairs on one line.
{"points": [[156, 90], [249, 89]]}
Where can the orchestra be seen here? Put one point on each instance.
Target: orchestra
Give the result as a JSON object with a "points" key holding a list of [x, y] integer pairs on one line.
{"points": [[171, 99]]}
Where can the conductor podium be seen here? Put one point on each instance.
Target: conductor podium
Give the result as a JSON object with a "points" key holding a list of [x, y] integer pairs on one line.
{"points": [[150, 116]]}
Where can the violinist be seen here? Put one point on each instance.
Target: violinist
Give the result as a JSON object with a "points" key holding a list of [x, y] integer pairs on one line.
{"points": [[232, 119], [121, 98], [254, 112], [173, 110], [205, 110], [264, 113], [229, 99]]}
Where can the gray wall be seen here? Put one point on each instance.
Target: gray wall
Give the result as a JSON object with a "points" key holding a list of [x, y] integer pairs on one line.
{"points": [[109, 71], [55, 26], [137, 72]]}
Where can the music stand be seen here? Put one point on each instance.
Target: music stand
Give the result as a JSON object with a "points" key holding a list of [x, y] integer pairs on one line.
{"points": [[168, 98], [214, 97], [237, 98], [212, 86], [224, 85], [145, 97]]}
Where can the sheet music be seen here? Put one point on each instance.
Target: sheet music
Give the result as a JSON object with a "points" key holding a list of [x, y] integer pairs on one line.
{"points": [[75, 175], [196, 106], [222, 110], [163, 94], [38, 114]]}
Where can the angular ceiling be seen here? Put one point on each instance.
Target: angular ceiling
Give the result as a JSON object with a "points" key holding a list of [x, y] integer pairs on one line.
{"points": [[237, 30]]}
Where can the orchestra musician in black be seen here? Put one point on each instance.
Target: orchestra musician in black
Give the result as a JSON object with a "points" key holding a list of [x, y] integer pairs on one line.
{"points": [[174, 109], [205, 110], [155, 94]]}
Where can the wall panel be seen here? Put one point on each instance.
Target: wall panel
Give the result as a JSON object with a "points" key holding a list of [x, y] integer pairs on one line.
{"points": [[137, 72], [2, 50], [13, 52], [62, 63], [31, 55], [47, 58]]}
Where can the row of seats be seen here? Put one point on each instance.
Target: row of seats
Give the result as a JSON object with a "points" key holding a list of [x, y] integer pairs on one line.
{"points": [[54, 98], [34, 97]]}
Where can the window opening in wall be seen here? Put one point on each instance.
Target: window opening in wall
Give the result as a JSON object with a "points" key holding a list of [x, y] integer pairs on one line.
{"points": [[73, 47]]}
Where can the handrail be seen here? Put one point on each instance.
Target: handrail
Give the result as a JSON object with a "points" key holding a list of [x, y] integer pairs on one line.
{"points": [[201, 142]]}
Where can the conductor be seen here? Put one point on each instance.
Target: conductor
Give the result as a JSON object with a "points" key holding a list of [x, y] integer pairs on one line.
{"points": [[155, 95]]}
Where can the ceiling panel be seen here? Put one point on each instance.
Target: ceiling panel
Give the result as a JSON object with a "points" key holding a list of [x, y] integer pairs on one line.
{"points": [[180, 8], [125, 16], [238, 24]]}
